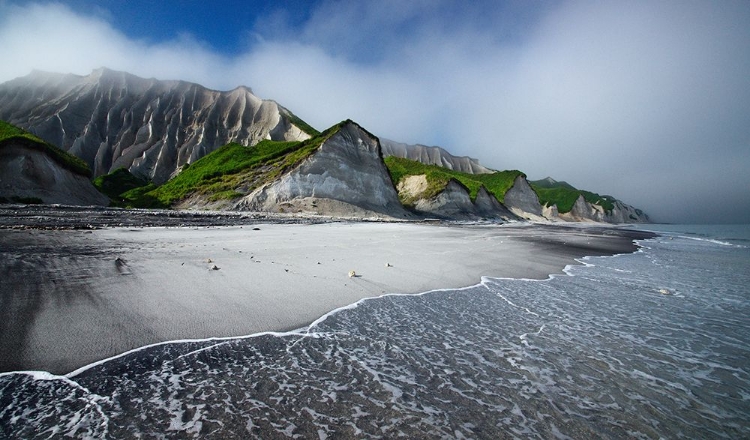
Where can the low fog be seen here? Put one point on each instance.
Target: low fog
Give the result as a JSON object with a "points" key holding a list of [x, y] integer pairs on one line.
{"points": [[646, 101]]}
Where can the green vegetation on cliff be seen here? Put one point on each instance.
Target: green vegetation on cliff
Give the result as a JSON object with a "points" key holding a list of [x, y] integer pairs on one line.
{"points": [[565, 195], [228, 173], [550, 183], [9, 133], [302, 125], [119, 181], [497, 183]]}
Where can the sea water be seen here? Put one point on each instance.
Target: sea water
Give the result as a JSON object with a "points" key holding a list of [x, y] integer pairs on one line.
{"points": [[654, 344]]}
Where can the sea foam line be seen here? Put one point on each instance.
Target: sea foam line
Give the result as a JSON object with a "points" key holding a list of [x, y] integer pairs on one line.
{"points": [[221, 340], [710, 240]]}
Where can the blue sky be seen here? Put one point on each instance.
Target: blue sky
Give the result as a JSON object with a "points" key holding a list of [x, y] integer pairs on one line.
{"points": [[647, 101], [232, 27], [225, 26]]}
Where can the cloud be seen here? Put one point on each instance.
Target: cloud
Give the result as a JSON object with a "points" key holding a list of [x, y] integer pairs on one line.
{"points": [[647, 101], [52, 37]]}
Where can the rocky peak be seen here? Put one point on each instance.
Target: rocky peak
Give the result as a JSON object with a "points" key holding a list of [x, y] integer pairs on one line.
{"points": [[346, 176], [522, 200], [549, 181], [114, 119]]}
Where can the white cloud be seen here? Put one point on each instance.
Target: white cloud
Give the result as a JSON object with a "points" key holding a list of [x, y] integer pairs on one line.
{"points": [[52, 37], [647, 101]]}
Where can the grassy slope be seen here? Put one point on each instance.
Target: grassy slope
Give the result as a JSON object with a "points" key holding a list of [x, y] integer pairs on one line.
{"points": [[230, 172], [119, 181], [222, 172], [544, 183], [10, 133], [565, 198], [497, 183]]}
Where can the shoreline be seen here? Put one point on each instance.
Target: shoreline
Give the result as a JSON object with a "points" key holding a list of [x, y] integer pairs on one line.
{"points": [[72, 298]]}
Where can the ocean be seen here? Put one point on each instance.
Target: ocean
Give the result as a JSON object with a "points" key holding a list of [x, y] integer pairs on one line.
{"points": [[654, 344]]}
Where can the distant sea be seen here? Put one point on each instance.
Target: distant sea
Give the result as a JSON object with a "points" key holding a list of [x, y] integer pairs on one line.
{"points": [[654, 344]]}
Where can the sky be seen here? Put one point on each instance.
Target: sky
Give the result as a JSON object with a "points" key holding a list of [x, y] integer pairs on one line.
{"points": [[648, 101]]}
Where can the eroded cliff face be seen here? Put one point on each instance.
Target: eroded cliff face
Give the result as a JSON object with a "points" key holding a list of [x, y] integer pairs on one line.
{"points": [[346, 176], [432, 156], [114, 119], [488, 206], [624, 213], [454, 202], [30, 173], [523, 201], [584, 211]]}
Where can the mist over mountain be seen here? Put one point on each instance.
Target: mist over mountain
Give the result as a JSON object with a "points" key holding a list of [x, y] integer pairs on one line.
{"points": [[114, 119], [253, 154]]}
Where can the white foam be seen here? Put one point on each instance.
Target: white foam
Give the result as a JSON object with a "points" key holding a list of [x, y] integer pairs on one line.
{"points": [[92, 399], [709, 240], [181, 341]]}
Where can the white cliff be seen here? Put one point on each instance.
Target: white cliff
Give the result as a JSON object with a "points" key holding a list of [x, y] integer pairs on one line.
{"points": [[346, 176], [432, 156], [584, 211], [114, 119]]}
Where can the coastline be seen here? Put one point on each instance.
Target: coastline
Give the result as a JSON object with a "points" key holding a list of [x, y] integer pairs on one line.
{"points": [[75, 297]]}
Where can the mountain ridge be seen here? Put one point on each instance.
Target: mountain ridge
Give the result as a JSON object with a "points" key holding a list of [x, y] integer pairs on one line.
{"points": [[156, 129], [432, 156], [114, 119]]}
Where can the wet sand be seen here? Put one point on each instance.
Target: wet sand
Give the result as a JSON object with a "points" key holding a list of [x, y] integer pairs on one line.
{"points": [[72, 297]]}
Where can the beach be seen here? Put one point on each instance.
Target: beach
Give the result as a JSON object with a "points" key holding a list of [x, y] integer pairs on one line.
{"points": [[72, 297], [638, 345]]}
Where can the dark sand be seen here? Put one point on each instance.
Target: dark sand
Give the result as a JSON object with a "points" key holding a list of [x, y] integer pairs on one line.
{"points": [[72, 297]]}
